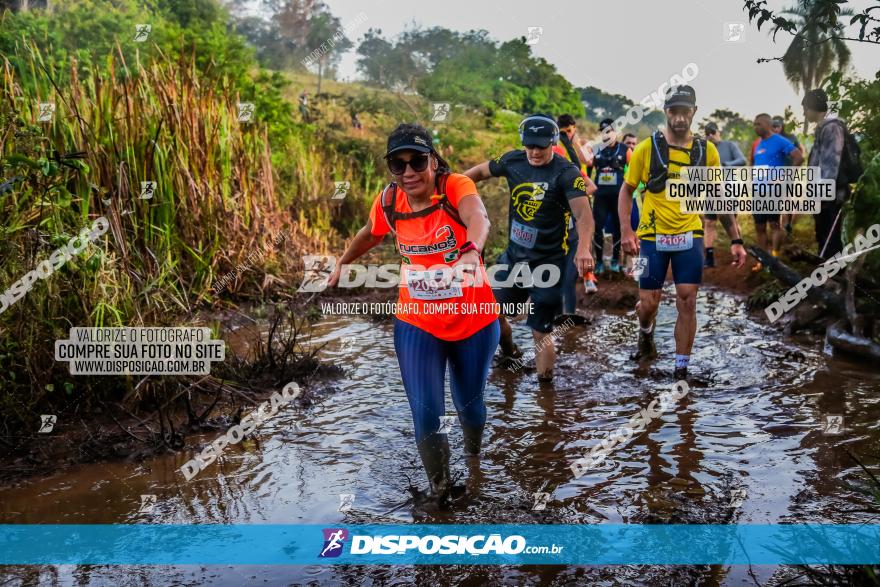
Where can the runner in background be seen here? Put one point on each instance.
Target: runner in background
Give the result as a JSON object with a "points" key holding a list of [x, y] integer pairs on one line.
{"points": [[631, 141], [835, 161], [438, 219], [731, 156], [609, 163], [777, 125], [570, 149], [545, 190], [772, 150], [667, 236]]}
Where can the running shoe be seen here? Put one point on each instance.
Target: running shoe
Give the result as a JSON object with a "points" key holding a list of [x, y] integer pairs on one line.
{"points": [[600, 268], [615, 266], [680, 374]]}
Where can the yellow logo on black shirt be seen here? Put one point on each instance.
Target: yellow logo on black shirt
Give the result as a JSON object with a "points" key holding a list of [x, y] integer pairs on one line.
{"points": [[528, 197], [580, 184]]}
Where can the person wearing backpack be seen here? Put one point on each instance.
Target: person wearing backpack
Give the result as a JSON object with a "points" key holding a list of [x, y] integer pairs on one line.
{"points": [[609, 162], [666, 236], [546, 191], [836, 153], [439, 221]]}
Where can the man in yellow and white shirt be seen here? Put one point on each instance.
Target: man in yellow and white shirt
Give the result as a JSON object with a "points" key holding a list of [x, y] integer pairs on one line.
{"points": [[665, 235]]}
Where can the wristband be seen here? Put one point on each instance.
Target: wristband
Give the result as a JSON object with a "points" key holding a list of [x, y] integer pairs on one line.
{"points": [[469, 246], [736, 241]]}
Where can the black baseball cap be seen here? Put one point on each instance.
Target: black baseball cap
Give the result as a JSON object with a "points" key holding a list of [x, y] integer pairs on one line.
{"points": [[605, 124], [777, 121], [711, 128], [538, 130], [413, 138], [681, 96]]}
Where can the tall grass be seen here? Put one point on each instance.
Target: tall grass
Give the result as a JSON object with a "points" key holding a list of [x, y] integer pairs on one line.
{"points": [[215, 202]]}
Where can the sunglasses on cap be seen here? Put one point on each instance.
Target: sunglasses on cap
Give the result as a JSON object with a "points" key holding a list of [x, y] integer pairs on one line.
{"points": [[417, 163]]}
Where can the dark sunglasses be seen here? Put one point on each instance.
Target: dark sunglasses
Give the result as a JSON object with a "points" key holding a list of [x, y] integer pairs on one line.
{"points": [[418, 163]]}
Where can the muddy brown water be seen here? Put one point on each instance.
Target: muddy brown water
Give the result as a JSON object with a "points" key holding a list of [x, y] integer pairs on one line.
{"points": [[752, 428]]}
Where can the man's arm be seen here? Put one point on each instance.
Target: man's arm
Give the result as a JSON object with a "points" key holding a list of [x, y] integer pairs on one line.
{"points": [[797, 158], [731, 226], [624, 209], [830, 150], [583, 258], [479, 172], [591, 187]]}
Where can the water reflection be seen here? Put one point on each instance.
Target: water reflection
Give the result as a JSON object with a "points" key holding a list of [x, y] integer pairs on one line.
{"points": [[753, 425]]}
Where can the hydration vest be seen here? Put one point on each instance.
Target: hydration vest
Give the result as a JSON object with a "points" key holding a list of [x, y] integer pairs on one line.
{"points": [[615, 160], [659, 171], [392, 215]]}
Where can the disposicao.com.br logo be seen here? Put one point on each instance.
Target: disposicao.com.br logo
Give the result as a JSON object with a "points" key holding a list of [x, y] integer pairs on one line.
{"points": [[393, 544]]}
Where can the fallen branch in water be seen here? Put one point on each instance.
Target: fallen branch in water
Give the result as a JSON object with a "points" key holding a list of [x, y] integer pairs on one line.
{"points": [[790, 277], [842, 340]]}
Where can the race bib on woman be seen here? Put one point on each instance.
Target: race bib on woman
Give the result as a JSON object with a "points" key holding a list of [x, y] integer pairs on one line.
{"points": [[675, 242], [432, 285]]}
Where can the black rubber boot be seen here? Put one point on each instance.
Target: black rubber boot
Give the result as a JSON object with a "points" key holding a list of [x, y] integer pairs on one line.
{"points": [[646, 348], [434, 451], [680, 374]]}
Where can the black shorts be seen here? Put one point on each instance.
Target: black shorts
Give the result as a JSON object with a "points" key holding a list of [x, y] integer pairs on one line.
{"points": [[546, 301], [765, 218], [710, 216]]}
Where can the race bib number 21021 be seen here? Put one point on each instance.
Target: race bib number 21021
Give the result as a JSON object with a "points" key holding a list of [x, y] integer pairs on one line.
{"points": [[675, 242]]}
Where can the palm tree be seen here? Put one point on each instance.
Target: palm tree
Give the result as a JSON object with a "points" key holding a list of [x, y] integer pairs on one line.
{"points": [[817, 48]]}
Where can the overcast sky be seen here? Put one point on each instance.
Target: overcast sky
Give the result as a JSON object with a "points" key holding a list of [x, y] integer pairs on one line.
{"points": [[627, 47]]}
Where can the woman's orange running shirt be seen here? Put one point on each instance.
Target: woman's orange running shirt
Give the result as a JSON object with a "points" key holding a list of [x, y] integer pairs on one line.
{"points": [[449, 311]]}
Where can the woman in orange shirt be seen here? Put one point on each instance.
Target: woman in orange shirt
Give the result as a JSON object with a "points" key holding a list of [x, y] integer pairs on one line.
{"points": [[440, 223]]}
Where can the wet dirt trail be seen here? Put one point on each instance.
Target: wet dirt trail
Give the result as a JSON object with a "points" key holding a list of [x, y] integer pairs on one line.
{"points": [[747, 445]]}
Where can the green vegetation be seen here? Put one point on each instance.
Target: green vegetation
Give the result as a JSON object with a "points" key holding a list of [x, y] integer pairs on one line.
{"points": [[158, 111], [601, 105], [165, 110], [467, 68]]}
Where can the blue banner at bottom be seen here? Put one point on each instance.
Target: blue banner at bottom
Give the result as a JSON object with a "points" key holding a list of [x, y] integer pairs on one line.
{"points": [[601, 544]]}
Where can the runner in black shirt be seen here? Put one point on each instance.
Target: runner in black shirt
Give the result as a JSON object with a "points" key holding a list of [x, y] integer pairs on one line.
{"points": [[545, 190]]}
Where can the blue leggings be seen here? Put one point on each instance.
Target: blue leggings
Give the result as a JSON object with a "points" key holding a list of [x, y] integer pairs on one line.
{"points": [[423, 358]]}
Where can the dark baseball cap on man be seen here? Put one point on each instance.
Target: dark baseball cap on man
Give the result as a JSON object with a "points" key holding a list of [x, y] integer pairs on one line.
{"points": [[681, 96], [412, 139], [605, 124], [539, 131], [711, 128]]}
